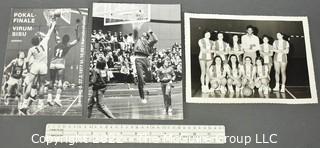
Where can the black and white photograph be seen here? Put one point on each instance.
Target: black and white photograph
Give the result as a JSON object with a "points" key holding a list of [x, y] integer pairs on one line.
{"points": [[43, 65], [248, 59], [136, 62]]}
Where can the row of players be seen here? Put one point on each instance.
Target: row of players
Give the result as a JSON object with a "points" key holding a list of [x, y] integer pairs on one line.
{"points": [[246, 54], [27, 76]]}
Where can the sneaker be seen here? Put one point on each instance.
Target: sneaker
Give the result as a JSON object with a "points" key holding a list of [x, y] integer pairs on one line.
{"points": [[23, 111], [57, 102], [170, 111], [49, 100], [144, 101], [283, 89], [276, 88], [40, 104], [164, 111]]}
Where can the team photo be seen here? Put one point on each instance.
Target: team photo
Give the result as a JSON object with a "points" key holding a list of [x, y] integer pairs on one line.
{"points": [[43, 73], [135, 62], [248, 59]]}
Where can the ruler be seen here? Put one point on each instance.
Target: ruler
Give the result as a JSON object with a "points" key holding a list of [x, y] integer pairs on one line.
{"points": [[135, 133]]}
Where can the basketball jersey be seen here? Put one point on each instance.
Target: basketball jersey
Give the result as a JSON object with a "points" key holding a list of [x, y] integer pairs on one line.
{"points": [[205, 54], [166, 74], [234, 71], [220, 47], [17, 70], [262, 71], [281, 57], [266, 49], [100, 75], [248, 71], [216, 71], [60, 51], [236, 47], [39, 53]]}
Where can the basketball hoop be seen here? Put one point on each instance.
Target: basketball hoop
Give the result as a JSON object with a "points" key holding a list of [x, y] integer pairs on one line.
{"points": [[53, 14]]}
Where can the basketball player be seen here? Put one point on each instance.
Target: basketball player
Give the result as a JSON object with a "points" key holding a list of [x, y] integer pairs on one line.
{"points": [[266, 52], [57, 64], [142, 49], [234, 75], [235, 48], [13, 85], [38, 69], [262, 78], [166, 75], [248, 71], [221, 48], [217, 74], [98, 81], [205, 59], [250, 44], [281, 49]]}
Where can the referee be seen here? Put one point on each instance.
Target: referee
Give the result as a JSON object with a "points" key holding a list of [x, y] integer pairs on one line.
{"points": [[142, 49]]}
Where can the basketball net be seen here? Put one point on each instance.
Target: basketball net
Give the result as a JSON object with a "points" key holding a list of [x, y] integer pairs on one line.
{"points": [[52, 14]]}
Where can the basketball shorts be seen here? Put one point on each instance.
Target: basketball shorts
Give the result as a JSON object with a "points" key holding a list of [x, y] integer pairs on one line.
{"points": [[39, 68], [57, 64]]}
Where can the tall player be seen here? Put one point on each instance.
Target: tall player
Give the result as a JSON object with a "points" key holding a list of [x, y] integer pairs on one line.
{"points": [[142, 49], [57, 64], [38, 69]]}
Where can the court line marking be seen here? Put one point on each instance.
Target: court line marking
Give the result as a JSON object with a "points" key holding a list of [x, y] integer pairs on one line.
{"points": [[138, 97], [135, 89], [294, 97], [70, 106]]}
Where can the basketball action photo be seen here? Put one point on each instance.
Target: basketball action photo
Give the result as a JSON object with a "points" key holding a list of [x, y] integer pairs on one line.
{"points": [[43, 71], [248, 59], [136, 62]]}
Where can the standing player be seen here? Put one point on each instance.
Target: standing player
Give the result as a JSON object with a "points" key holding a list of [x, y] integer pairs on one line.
{"points": [[142, 49], [221, 48], [98, 81], [205, 59], [166, 75], [12, 87], [57, 64], [250, 44], [38, 69], [235, 48], [281, 49], [266, 52]]}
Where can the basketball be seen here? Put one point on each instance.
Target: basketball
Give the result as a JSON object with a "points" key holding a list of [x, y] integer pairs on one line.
{"points": [[247, 91]]}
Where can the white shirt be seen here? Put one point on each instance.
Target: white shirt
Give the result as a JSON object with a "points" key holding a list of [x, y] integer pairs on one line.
{"points": [[250, 42]]}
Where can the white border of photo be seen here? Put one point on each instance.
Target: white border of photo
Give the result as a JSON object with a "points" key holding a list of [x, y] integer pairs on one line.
{"points": [[312, 82]]}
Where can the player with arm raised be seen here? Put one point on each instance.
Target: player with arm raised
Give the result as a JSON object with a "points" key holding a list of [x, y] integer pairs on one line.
{"points": [[38, 69], [142, 50], [57, 64]]}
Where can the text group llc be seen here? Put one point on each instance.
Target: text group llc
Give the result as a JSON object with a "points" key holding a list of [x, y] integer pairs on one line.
{"points": [[258, 138]]}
